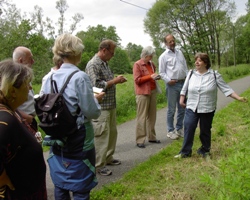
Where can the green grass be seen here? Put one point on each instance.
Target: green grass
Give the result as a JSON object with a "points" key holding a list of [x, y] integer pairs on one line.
{"points": [[223, 177]]}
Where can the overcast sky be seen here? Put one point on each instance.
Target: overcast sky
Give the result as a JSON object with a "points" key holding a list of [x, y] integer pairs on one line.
{"points": [[127, 19]]}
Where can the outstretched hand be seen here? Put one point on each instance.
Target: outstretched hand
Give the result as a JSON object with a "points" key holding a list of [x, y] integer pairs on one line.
{"points": [[243, 99]]}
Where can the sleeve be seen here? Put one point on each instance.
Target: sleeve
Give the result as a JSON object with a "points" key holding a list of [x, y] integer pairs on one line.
{"points": [[93, 71], [138, 78], [222, 85], [186, 83], [6, 124], [163, 69], [86, 100]]}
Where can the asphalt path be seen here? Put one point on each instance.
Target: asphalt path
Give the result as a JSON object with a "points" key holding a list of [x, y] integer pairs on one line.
{"points": [[126, 149]]}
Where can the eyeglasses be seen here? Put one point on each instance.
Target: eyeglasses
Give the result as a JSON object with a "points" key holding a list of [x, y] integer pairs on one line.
{"points": [[112, 53]]}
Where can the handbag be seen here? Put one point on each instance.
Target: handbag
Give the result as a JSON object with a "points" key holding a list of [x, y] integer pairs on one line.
{"points": [[158, 88]]}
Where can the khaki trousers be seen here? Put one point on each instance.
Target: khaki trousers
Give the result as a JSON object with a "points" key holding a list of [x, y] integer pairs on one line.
{"points": [[146, 117], [105, 137]]}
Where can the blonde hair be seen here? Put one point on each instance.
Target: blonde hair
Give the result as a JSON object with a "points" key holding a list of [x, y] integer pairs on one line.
{"points": [[58, 61], [67, 45], [12, 74]]}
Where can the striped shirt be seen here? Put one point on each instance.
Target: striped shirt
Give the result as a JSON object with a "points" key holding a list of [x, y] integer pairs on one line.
{"points": [[202, 90], [100, 73]]}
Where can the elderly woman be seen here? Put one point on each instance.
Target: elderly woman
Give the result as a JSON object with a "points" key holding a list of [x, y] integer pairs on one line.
{"points": [[201, 84], [72, 166], [145, 90], [22, 166]]}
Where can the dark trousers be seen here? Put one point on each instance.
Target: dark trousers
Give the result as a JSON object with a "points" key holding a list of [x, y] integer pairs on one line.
{"points": [[190, 123], [61, 194]]}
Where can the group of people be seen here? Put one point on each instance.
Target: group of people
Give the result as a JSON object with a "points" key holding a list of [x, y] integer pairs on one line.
{"points": [[199, 84], [73, 165], [90, 149]]}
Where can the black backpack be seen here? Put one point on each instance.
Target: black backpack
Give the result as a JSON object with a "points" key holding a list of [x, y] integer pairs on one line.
{"points": [[54, 115]]}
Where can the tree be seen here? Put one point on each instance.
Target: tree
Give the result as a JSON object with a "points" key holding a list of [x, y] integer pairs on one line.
{"points": [[120, 64], [61, 6], [133, 51], [91, 40], [196, 24]]}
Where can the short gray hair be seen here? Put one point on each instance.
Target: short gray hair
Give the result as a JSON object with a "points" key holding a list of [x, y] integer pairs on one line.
{"points": [[147, 51]]}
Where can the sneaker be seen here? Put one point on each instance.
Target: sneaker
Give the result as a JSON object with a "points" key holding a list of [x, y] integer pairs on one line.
{"points": [[180, 133], [172, 135], [114, 162], [104, 171], [182, 156]]}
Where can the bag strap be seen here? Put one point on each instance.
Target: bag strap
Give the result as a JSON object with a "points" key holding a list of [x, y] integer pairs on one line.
{"points": [[67, 81], [215, 78], [53, 84]]}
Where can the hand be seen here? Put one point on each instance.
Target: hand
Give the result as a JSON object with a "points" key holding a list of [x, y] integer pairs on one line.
{"points": [[243, 99], [155, 76], [119, 79], [100, 96], [182, 101], [172, 82]]}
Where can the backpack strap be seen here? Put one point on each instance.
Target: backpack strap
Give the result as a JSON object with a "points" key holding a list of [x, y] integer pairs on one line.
{"points": [[67, 81], [53, 84]]}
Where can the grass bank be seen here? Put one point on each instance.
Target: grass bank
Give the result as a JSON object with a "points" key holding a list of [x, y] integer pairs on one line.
{"points": [[223, 177]]}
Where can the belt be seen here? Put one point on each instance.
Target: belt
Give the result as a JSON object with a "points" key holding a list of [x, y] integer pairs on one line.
{"points": [[179, 80]]}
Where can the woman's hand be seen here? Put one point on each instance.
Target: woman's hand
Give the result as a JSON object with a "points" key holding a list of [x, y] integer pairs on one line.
{"points": [[243, 99], [155, 76], [182, 101]]}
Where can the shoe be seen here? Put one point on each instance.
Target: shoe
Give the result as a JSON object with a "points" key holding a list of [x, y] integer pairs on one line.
{"points": [[172, 135], [141, 145], [203, 153], [182, 155], [155, 141], [180, 133], [114, 162], [104, 171]]}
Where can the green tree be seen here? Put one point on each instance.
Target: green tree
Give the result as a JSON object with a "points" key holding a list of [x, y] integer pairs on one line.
{"points": [[133, 51], [120, 64], [196, 24]]}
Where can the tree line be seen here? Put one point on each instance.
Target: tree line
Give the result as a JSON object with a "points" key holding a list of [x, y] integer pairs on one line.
{"points": [[198, 25]]}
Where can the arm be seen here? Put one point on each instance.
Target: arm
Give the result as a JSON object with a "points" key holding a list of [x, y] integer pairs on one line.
{"points": [[237, 97]]}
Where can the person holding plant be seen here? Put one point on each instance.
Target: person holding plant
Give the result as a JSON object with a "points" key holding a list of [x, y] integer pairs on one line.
{"points": [[22, 165], [105, 128], [145, 89], [201, 104]]}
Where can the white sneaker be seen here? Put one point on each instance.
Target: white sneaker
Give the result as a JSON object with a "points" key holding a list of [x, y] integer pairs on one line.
{"points": [[180, 133], [172, 135]]}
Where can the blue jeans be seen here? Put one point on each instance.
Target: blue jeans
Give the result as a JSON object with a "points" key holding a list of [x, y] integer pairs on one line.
{"points": [[173, 97], [61, 194], [190, 123]]}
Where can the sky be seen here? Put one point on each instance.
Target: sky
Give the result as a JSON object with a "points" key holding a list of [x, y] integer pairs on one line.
{"points": [[127, 19]]}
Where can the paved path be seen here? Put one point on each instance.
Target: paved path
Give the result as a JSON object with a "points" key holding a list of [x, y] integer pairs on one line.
{"points": [[130, 155]]}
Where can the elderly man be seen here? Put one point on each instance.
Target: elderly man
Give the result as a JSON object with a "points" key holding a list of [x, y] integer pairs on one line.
{"points": [[24, 55], [101, 76]]}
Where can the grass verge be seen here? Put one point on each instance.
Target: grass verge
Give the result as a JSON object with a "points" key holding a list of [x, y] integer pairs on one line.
{"points": [[223, 177]]}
